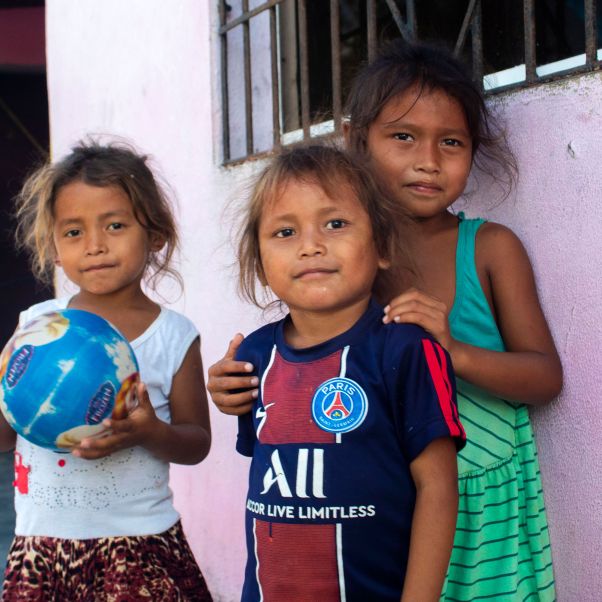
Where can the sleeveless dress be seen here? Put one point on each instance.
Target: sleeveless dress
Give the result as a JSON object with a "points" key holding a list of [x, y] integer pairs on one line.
{"points": [[502, 547]]}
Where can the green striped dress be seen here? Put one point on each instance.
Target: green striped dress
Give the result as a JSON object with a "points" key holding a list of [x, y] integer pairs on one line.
{"points": [[502, 548]]}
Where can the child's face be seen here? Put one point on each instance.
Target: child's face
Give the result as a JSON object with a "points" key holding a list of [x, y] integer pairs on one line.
{"points": [[422, 150], [100, 244], [318, 253]]}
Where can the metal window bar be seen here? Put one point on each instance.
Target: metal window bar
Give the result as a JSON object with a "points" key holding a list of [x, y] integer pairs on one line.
{"points": [[468, 19], [591, 32], [405, 32], [335, 52], [472, 22], [248, 84], [476, 33], [275, 78], [411, 17], [224, 84], [529, 24], [303, 66], [371, 25]]}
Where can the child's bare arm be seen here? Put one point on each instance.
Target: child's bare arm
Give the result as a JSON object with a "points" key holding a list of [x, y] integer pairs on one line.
{"points": [[185, 441], [225, 377], [529, 370], [434, 522]]}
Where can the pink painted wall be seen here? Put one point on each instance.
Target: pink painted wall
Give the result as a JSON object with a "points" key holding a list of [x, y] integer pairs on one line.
{"points": [[557, 212], [148, 70]]}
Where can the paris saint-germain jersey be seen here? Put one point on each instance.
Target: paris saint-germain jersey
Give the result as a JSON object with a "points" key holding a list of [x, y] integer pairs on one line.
{"points": [[332, 435]]}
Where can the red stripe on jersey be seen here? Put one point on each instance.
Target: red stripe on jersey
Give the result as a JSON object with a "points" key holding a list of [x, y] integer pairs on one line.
{"points": [[297, 563], [445, 373], [288, 391], [443, 387]]}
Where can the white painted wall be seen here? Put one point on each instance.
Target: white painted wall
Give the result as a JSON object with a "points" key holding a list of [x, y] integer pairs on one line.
{"points": [[147, 70]]}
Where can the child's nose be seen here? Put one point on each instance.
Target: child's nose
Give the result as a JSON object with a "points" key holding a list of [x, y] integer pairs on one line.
{"points": [[427, 157], [95, 244], [312, 243]]}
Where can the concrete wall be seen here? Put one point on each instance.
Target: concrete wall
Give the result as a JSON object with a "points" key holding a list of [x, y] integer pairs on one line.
{"points": [[147, 70]]}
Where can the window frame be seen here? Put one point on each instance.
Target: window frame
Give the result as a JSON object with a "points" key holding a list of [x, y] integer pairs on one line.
{"points": [[521, 76]]}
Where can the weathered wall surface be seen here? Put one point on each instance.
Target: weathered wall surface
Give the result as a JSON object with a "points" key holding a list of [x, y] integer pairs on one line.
{"points": [[558, 214]]}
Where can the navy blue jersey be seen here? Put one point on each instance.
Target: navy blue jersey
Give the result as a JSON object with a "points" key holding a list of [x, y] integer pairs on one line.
{"points": [[332, 435]]}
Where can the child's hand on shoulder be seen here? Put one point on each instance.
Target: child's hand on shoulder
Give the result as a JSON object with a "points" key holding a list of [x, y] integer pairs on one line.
{"points": [[136, 429], [415, 307]]}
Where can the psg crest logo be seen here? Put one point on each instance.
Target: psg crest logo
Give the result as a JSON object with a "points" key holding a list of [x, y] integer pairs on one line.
{"points": [[339, 405]]}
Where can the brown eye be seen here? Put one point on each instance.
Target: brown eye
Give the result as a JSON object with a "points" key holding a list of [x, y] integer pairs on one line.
{"points": [[335, 224], [284, 233]]}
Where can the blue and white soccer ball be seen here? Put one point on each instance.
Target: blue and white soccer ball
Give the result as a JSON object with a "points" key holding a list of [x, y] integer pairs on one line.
{"points": [[62, 374]]}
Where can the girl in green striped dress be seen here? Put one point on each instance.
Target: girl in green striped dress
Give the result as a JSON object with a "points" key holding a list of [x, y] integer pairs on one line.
{"points": [[423, 124]]}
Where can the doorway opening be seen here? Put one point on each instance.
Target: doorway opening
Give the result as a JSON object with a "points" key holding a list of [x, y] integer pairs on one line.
{"points": [[24, 143]]}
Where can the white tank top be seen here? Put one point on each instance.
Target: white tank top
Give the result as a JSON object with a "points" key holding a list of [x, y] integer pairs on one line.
{"points": [[126, 493]]}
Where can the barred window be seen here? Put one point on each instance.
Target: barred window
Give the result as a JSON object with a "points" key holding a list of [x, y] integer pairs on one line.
{"points": [[286, 65]]}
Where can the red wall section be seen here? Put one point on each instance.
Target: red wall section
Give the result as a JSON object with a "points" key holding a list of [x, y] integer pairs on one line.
{"points": [[22, 37]]}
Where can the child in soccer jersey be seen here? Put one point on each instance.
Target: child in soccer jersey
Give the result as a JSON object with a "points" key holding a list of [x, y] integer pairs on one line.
{"points": [[99, 523], [353, 483]]}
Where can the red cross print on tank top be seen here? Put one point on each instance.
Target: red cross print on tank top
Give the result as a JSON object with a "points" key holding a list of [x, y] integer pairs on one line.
{"points": [[22, 471]]}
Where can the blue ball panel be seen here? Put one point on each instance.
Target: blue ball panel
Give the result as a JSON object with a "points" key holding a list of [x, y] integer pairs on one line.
{"points": [[61, 371]]}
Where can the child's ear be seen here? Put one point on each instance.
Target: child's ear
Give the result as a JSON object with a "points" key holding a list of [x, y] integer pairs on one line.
{"points": [[346, 132], [157, 242], [383, 264]]}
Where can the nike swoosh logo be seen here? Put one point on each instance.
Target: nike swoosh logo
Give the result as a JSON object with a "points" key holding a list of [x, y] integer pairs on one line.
{"points": [[262, 415], [261, 412]]}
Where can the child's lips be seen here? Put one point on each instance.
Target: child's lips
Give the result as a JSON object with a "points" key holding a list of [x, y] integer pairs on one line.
{"points": [[313, 273], [99, 267], [424, 187]]}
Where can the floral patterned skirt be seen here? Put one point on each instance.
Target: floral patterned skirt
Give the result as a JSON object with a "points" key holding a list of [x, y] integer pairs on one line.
{"points": [[149, 568]]}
